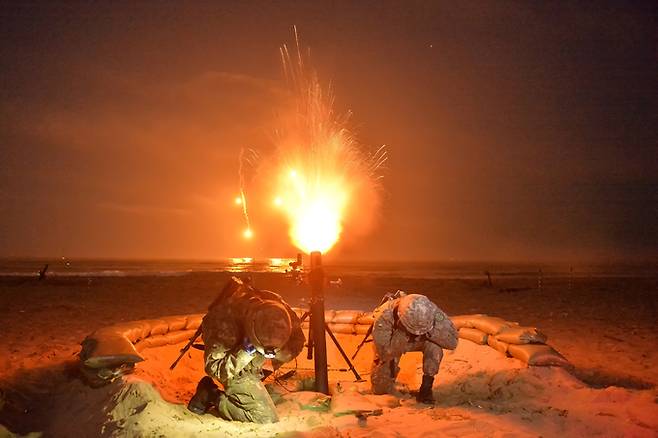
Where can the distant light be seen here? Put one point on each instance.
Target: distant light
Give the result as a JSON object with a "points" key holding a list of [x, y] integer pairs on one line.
{"points": [[238, 200], [278, 201], [248, 234], [241, 260], [293, 173]]}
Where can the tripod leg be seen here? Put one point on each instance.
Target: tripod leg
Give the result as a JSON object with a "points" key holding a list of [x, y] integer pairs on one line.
{"points": [[342, 352], [309, 343]]}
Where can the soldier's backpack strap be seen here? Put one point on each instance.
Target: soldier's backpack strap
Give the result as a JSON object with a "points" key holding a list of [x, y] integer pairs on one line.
{"points": [[233, 285], [268, 295]]}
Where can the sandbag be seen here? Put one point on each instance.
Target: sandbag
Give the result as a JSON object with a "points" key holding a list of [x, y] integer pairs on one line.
{"points": [[157, 326], [178, 337], [521, 335], [346, 316], [361, 329], [193, 321], [151, 341], [366, 319], [134, 330], [538, 355], [329, 315], [106, 349], [488, 324], [176, 322], [346, 329], [474, 335], [497, 345], [460, 321]]}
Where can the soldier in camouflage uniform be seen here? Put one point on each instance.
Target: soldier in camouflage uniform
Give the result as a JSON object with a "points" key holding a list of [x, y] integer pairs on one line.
{"points": [[239, 334], [409, 323]]}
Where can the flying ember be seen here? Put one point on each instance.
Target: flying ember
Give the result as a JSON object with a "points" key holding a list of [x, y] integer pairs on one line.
{"points": [[321, 170], [318, 169]]}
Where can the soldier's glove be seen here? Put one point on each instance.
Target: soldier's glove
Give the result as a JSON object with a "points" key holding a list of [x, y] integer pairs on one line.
{"points": [[242, 359], [248, 346]]}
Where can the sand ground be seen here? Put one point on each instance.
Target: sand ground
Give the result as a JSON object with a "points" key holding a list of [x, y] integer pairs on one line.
{"points": [[605, 326]]}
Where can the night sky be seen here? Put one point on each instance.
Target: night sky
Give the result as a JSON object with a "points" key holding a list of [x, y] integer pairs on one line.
{"points": [[516, 130]]}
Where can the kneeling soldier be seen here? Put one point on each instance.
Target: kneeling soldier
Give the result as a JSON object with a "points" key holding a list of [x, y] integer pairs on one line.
{"points": [[409, 323], [239, 334]]}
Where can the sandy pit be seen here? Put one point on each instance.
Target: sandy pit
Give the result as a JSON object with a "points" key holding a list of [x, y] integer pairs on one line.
{"points": [[479, 392], [608, 337]]}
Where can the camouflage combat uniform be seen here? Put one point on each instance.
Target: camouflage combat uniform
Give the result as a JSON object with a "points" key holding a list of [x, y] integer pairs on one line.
{"points": [[392, 339], [244, 397]]}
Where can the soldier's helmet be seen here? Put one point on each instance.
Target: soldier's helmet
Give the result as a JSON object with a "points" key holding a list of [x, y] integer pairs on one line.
{"points": [[416, 313], [268, 325]]}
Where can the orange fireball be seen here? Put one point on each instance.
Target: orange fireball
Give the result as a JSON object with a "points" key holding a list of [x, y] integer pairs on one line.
{"points": [[320, 170], [315, 207]]}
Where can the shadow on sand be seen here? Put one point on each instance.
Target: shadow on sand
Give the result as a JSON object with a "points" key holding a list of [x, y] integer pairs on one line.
{"points": [[599, 379], [53, 400]]}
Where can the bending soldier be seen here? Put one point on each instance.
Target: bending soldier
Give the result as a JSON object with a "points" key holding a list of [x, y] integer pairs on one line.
{"points": [[239, 334], [409, 323]]}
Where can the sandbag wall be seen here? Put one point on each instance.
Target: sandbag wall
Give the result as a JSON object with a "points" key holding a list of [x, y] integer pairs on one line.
{"points": [[111, 351], [114, 350], [347, 322], [527, 344]]}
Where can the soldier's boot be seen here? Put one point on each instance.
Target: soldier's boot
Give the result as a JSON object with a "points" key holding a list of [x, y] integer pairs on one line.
{"points": [[425, 392], [205, 396]]}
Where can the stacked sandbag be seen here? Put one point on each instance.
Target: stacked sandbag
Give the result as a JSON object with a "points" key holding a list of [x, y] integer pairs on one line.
{"points": [[524, 343], [497, 345], [508, 337], [521, 335], [538, 355], [113, 351], [348, 322], [478, 328], [473, 335]]}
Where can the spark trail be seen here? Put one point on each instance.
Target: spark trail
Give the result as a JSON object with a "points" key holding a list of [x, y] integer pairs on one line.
{"points": [[324, 176], [319, 176], [248, 159]]}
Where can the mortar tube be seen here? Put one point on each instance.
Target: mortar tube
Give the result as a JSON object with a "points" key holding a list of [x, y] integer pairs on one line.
{"points": [[316, 281]]}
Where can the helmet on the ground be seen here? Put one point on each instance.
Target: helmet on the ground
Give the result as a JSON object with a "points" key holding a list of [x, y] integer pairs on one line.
{"points": [[416, 313], [268, 325]]}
